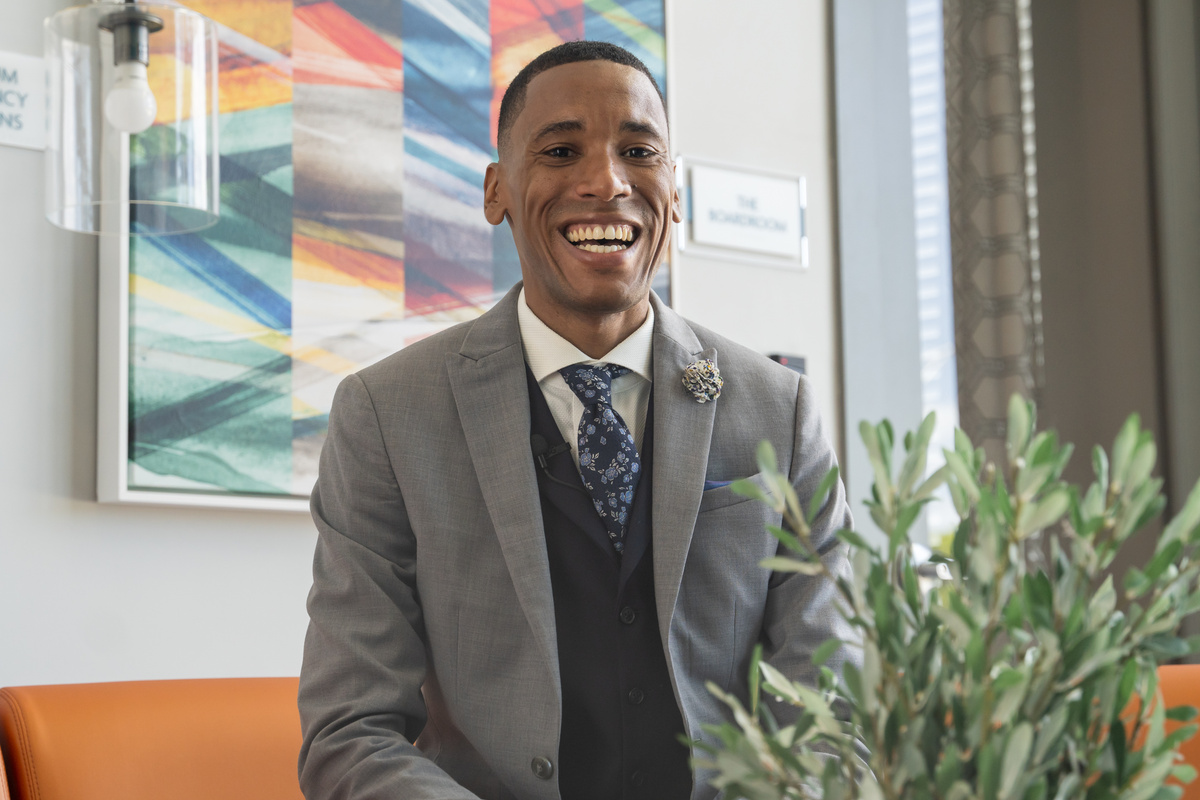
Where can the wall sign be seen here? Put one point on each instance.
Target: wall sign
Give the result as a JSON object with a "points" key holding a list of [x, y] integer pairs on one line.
{"points": [[751, 211], [22, 101]]}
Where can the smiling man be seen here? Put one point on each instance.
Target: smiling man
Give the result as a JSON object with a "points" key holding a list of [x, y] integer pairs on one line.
{"points": [[530, 561]]}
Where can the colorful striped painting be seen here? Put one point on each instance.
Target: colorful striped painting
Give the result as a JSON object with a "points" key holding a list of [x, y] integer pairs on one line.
{"points": [[354, 139]]}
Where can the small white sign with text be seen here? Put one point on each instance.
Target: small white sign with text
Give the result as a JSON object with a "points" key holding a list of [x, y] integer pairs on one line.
{"points": [[22, 101], [747, 210]]}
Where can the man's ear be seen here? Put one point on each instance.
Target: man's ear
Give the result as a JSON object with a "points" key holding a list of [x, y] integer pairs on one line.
{"points": [[676, 206], [494, 206]]}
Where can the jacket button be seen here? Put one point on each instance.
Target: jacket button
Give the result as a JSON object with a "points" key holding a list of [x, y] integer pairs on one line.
{"points": [[628, 615], [636, 696], [542, 768], [637, 779]]}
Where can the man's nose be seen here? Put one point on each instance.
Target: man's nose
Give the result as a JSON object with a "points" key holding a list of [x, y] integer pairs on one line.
{"points": [[603, 177]]}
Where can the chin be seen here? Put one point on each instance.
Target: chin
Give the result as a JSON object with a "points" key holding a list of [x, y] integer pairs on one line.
{"points": [[610, 298]]}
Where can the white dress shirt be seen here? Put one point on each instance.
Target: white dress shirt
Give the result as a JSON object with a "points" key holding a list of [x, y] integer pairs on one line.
{"points": [[546, 353]]}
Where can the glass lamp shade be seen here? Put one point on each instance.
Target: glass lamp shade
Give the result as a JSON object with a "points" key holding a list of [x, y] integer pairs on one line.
{"points": [[131, 147]]}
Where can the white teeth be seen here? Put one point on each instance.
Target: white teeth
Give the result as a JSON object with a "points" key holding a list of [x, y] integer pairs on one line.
{"points": [[602, 248], [622, 233]]}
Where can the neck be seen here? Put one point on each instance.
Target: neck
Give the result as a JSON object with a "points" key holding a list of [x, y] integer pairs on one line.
{"points": [[596, 335]]}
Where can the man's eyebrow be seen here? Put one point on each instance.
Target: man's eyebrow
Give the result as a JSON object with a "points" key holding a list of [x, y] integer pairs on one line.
{"points": [[562, 126], [631, 126]]}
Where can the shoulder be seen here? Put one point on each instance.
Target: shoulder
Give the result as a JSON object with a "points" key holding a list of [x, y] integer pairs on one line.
{"points": [[415, 379], [422, 357], [425, 360]]}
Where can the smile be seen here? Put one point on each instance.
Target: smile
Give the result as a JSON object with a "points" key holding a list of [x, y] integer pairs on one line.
{"points": [[601, 238]]}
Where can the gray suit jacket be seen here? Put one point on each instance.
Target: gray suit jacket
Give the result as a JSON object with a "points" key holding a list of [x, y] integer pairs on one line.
{"points": [[431, 568]]}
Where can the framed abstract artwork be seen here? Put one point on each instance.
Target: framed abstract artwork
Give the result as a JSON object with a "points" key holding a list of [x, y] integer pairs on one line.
{"points": [[354, 135]]}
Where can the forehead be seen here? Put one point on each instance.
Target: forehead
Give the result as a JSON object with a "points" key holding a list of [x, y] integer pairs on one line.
{"points": [[592, 92]]}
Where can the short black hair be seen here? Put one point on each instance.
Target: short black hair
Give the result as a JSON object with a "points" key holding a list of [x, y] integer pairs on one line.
{"points": [[565, 53]]}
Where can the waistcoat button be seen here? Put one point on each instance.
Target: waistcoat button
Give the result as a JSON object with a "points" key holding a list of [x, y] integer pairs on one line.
{"points": [[542, 768], [628, 615], [636, 696], [637, 779]]}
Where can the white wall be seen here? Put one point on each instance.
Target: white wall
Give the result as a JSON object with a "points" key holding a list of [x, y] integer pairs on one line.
{"points": [[751, 89], [96, 593]]}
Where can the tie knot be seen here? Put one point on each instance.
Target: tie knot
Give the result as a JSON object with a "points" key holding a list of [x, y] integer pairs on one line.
{"points": [[592, 383]]}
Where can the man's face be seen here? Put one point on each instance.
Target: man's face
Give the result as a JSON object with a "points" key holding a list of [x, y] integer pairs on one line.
{"points": [[588, 151]]}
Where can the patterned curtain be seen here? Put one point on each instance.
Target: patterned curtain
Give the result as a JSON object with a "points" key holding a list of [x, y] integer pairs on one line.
{"points": [[993, 211]]}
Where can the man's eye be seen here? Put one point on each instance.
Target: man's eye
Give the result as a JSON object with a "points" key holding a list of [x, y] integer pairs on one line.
{"points": [[559, 152], [639, 152]]}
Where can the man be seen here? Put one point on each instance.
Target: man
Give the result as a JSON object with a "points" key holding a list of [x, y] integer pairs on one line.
{"points": [[530, 561]]}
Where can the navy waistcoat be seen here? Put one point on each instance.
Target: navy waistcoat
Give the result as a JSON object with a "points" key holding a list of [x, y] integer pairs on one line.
{"points": [[621, 724]]}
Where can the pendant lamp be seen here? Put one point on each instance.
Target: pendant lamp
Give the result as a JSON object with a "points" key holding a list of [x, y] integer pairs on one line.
{"points": [[132, 118]]}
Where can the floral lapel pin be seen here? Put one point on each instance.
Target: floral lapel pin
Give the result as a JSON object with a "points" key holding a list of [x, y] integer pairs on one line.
{"points": [[703, 380]]}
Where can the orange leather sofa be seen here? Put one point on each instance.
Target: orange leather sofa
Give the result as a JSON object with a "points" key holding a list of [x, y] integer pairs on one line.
{"points": [[1180, 686], [218, 739], [232, 739]]}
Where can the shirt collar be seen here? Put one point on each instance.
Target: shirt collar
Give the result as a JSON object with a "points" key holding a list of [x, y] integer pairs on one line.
{"points": [[546, 352]]}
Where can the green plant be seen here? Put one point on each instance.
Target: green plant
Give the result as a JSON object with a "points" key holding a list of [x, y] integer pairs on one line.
{"points": [[1028, 674]]}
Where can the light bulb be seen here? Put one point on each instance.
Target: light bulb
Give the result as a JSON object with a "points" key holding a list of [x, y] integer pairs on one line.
{"points": [[130, 104]]}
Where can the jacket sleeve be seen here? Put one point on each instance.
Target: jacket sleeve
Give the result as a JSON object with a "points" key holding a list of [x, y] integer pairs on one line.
{"points": [[802, 612], [365, 659]]}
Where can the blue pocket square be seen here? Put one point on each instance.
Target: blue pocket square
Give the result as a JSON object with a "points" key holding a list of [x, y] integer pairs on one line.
{"points": [[715, 484]]}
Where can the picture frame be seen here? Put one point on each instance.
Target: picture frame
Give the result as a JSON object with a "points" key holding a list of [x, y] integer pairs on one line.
{"points": [[219, 352]]}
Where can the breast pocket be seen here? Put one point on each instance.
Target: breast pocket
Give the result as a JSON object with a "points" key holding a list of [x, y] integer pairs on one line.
{"points": [[723, 496]]}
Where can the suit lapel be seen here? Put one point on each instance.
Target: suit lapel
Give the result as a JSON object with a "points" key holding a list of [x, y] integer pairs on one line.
{"points": [[682, 434], [487, 377]]}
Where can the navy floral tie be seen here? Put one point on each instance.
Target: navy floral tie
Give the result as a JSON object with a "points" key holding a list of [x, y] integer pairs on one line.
{"points": [[608, 457]]}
